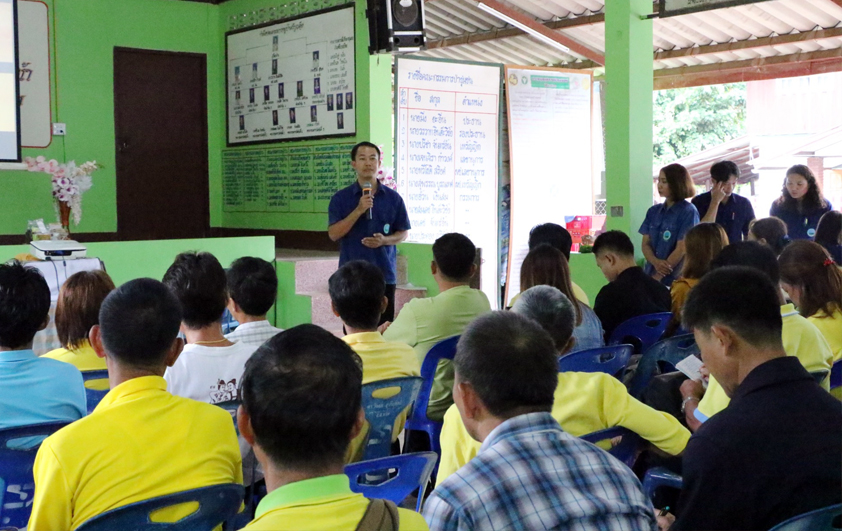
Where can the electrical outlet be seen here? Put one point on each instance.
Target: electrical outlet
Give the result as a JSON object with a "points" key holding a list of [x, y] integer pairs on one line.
{"points": [[59, 129]]}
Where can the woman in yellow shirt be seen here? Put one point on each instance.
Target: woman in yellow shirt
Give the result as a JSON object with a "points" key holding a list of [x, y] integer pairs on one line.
{"points": [[814, 283], [77, 311], [702, 244]]}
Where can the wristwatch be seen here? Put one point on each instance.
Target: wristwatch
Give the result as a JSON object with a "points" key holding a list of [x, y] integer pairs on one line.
{"points": [[684, 402]]}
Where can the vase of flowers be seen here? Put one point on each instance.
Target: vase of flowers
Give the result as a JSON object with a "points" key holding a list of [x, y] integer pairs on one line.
{"points": [[69, 183]]}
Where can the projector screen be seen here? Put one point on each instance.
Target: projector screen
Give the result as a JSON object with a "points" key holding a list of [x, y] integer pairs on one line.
{"points": [[9, 90]]}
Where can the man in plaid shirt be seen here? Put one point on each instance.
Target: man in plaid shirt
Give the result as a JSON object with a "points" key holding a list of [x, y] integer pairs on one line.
{"points": [[529, 473]]}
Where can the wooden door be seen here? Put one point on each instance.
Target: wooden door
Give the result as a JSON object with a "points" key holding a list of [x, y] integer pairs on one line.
{"points": [[161, 132]]}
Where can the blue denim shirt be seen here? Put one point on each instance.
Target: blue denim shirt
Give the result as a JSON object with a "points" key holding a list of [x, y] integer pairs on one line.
{"points": [[589, 333], [665, 228], [800, 225]]}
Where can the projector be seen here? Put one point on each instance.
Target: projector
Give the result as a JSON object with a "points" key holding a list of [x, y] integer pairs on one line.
{"points": [[57, 249]]}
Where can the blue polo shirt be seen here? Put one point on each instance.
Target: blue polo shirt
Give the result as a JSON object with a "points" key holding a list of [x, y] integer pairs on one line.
{"points": [[36, 390], [666, 227], [800, 225], [388, 217], [734, 216]]}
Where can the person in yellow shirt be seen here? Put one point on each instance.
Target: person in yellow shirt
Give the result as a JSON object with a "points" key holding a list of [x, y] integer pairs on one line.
{"points": [[584, 402], [800, 337], [140, 442], [77, 311], [313, 381], [358, 297]]}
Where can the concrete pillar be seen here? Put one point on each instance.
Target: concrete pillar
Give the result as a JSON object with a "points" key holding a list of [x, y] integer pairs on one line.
{"points": [[816, 165]]}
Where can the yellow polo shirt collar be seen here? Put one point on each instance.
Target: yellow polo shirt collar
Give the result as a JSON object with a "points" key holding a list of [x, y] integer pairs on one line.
{"points": [[310, 491], [132, 390], [364, 337]]}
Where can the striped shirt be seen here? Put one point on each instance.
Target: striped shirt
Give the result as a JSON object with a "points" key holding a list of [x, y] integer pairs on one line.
{"points": [[255, 333], [530, 474]]}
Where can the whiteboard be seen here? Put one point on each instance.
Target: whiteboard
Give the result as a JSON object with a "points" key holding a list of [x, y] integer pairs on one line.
{"points": [[447, 154], [549, 113], [292, 80], [34, 74]]}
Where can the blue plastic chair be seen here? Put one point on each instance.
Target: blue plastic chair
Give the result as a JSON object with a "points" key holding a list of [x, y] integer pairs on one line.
{"points": [[658, 477], [217, 504], [412, 471], [229, 324], [382, 412], [628, 448], [825, 519], [16, 461], [664, 355], [642, 331], [836, 375], [94, 396], [231, 407], [443, 350], [610, 360]]}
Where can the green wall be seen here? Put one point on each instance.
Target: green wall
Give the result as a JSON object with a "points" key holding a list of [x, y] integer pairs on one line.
{"points": [[586, 274], [418, 258]]}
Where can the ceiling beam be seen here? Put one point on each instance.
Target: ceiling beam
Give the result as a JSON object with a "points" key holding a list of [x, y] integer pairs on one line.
{"points": [[793, 65], [749, 44]]}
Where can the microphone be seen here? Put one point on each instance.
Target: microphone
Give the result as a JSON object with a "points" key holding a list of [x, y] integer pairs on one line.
{"points": [[367, 191]]}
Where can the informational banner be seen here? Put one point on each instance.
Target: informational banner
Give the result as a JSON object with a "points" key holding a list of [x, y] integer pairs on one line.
{"points": [[447, 154], [34, 73], [549, 112], [671, 8], [292, 80]]}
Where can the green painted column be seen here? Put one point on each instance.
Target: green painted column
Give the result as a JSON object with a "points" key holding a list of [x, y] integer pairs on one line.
{"points": [[628, 113]]}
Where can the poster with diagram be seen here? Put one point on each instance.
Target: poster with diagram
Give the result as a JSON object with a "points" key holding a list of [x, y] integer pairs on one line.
{"points": [[292, 79]]}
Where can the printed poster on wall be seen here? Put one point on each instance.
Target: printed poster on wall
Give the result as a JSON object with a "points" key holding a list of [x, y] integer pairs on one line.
{"points": [[34, 74], [447, 154], [292, 80], [549, 112]]}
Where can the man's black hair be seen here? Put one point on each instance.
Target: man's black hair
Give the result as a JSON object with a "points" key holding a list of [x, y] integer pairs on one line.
{"points": [[302, 390], [723, 170], [741, 298], [363, 144], [252, 284], [139, 322], [614, 241], [552, 234], [24, 304], [749, 254], [356, 291], [511, 362], [198, 282], [454, 254]]}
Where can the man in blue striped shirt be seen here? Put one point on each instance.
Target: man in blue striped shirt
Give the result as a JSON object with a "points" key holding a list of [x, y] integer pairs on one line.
{"points": [[529, 473]]}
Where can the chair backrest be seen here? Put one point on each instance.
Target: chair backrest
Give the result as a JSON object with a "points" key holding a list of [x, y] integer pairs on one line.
{"points": [[836, 375], [411, 471], [609, 360], [658, 477], [825, 519], [217, 504], [819, 376], [18, 447], [628, 448], [381, 410], [642, 331], [94, 396], [229, 324], [443, 350], [670, 350], [231, 406]]}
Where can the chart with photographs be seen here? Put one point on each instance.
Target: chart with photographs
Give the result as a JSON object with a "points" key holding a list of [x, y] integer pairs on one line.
{"points": [[292, 80]]}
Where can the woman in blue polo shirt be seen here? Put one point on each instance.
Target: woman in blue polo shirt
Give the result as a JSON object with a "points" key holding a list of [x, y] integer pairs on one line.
{"points": [[666, 224], [801, 204]]}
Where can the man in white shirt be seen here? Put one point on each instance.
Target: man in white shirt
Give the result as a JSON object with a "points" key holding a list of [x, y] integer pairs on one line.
{"points": [[252, 289]]}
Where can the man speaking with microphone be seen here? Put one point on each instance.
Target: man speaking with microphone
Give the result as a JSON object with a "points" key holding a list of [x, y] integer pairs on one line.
{"points": [[368, 220]]}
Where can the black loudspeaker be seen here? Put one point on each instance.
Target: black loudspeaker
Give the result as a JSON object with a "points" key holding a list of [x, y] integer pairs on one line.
{"points": [[395, 26]]}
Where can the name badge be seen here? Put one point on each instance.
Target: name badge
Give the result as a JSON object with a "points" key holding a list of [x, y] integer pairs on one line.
{"points": [[386, 228], [667, 235], [811, 232]]}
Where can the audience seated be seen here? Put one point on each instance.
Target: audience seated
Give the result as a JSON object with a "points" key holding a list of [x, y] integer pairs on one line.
{"points": [[141, 441], [630, 292], [583, 402], [424, 322], [800, 338], [210, 367], [252, 290], [558, 237], [545, 265], [358, 297], [77, 311], [770, 232], [35, 390], [776, 451], [529, 473], [300, 408], [829, 235], [814, 283]]}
